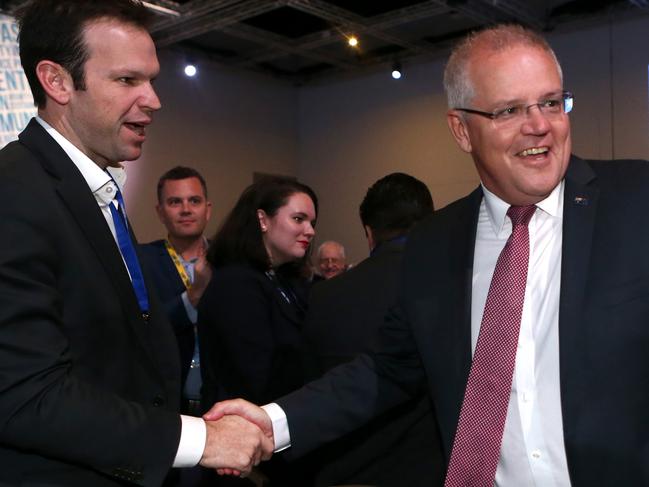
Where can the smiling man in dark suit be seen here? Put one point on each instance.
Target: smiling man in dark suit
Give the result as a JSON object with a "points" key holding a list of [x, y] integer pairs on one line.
{"points": [[523, 307], [88, 370], [179, 269]]}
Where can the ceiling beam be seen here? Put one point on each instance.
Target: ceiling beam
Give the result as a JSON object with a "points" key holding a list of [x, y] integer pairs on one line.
{"points": [[352, 21], [276, 42], [495, 11], [200, 18], [391, 19]]}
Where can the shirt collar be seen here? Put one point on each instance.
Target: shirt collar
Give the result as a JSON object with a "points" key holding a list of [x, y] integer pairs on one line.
{"points": [[98, 180], [497, 208]]}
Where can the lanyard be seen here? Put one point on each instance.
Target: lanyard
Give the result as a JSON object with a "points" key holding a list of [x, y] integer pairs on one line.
{"points": [[179, 266]]}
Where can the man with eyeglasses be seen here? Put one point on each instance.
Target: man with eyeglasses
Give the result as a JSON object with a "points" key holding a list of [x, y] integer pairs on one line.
{"points": [[331, 259], [523, 307]]}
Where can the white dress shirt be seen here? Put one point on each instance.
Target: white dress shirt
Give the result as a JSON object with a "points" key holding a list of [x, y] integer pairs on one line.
{"points": [[193, 431], [532, 452]]}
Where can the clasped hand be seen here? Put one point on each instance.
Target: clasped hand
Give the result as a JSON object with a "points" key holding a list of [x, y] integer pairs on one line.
{"points": [[239, 436]]}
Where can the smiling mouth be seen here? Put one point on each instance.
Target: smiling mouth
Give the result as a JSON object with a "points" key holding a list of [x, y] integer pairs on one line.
{"points": [[138, 128], [533, 151]]}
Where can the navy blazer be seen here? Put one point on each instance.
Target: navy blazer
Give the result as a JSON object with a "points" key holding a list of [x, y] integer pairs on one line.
{"points": [[603, 330], [88, 387], [169, 286], [250, 337]]}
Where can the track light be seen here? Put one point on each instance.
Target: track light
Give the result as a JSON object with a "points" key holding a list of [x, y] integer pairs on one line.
{"points": [[352, 41], [190, 70], [396, 71]]}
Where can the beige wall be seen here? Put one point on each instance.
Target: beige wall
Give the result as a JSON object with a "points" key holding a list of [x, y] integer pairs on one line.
{"points": [[226, 125], [341, 136], [352, 132]]}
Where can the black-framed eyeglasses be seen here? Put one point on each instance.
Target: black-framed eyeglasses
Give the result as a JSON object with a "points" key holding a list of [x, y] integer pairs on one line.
{"points": [[551, 107]]}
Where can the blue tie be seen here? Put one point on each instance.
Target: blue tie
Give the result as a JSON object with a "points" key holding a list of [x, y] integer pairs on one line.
{"points": [[127, 249]]}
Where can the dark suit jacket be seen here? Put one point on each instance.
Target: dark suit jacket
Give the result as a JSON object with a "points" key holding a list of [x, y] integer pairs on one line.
{"points": [[603, 330], [252, 346], [170, 287], [250, 338], [342, 322], [88, 388]]}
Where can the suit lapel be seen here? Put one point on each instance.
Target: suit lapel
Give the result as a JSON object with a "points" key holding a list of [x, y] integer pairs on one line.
{"points": [[581, 196], [451, 308], [74, 192]]}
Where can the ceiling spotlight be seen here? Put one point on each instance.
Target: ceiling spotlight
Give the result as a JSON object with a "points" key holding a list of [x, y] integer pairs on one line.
{"points": [[396, 71], [190, 70], [352, 41]]}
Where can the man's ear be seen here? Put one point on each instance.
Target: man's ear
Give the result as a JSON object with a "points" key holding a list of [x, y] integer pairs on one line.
{"points": [[208, 205], [458, 127], [55, 80], [370, 237], [158, 210]]}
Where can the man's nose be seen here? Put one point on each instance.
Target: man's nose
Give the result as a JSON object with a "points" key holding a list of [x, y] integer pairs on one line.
{"points": [[536, 122], [149, 100]]}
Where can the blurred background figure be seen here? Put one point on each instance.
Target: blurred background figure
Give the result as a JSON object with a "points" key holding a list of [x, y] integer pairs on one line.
{"points": [[342, 322], [331, 259], [251, 314]]}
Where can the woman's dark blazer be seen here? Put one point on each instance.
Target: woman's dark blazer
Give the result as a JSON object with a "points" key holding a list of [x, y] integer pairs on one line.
{"points": [[250, 336]]}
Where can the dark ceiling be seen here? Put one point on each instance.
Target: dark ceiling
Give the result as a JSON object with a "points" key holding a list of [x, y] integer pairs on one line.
{"points": [[305, 40]]}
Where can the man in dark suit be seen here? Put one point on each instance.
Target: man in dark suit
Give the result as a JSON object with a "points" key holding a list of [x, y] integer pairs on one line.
{"points": [[179, 270], [576, 400], [342, 322], [89, 373]]}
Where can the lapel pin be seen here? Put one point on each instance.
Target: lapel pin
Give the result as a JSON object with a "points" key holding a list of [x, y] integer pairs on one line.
{"points": [[581, 201]]}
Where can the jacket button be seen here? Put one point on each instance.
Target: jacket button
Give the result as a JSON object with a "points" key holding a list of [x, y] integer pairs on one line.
{"points": [[158, 401]]}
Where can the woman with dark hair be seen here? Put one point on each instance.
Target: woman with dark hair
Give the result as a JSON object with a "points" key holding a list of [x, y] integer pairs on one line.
{"points": [[250, 316]]}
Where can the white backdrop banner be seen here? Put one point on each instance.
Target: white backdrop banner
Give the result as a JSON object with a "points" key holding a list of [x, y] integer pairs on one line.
{"points": [[16, 102]]}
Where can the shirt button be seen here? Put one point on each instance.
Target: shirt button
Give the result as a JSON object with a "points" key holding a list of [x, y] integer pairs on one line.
{"points": [[527, 396], [109, 189], [158, 401], [536, 454]]}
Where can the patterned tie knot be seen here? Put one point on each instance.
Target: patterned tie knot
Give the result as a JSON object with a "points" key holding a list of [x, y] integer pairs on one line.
{"points": [[521, 215]]}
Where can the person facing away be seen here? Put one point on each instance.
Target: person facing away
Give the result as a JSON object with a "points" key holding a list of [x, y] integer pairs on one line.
{"points": [[343, 320], [89, 372], [179, 268], [331, 259], [251, 315], [520, 308]]}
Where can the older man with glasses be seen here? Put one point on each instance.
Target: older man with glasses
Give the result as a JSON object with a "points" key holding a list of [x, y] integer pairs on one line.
{"points": [[523, 307]]}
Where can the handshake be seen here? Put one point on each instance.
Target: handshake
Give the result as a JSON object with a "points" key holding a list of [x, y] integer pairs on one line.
{"points": [[239, 436]]}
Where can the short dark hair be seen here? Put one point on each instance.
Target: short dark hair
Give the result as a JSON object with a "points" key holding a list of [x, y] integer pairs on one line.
{"points": [[393, 204], [239, 240], [53, 30], [177, 173]]}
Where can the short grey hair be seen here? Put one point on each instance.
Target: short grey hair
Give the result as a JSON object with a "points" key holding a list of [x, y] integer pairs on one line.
{"points": [[340, 247], [457, 82]]}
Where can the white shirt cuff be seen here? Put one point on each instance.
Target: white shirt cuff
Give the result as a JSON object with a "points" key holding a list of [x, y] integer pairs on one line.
{"points": [[193, 434], [281, 436], [192, 314]]}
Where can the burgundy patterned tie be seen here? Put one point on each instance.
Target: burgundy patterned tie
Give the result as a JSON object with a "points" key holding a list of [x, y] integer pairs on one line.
{"points": [[476, 448]]}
